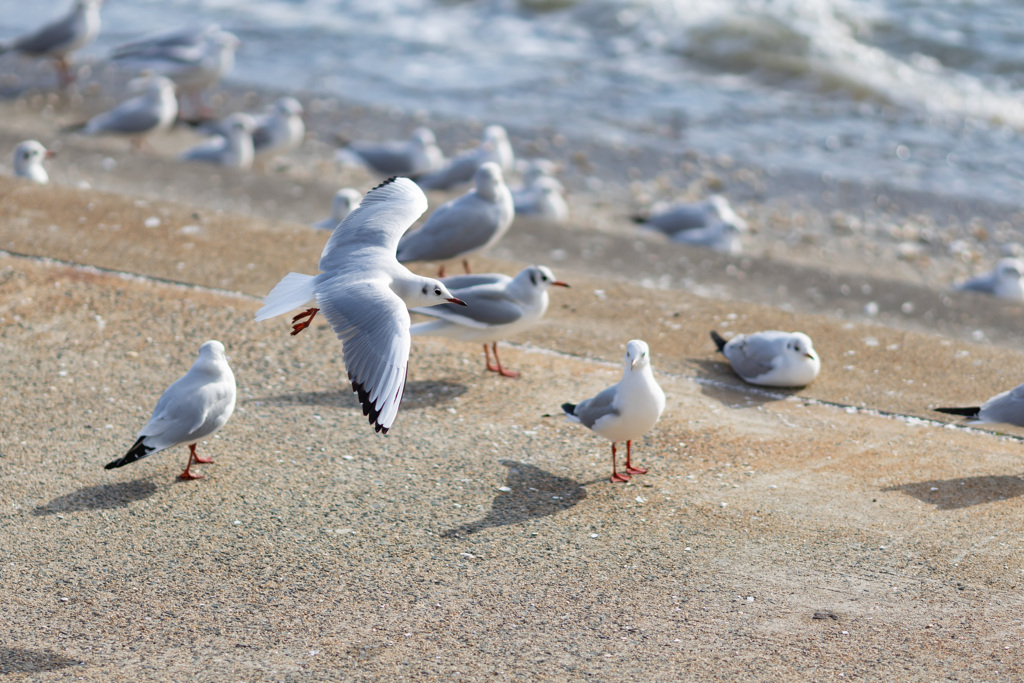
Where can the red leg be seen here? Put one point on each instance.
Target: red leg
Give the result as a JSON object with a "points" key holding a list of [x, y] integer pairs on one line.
{"points": [[629, 467], [308, 314], [497, 368], [440, 272], [616, 477], [465, 265], [191, 455], [200, 460], [63, 72]]}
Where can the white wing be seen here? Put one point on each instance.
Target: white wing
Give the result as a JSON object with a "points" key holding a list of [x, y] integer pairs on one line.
{"points": [[379, 221], [373, 326]]}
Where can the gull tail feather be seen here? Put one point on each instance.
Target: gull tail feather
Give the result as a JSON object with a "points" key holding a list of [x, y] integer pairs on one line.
{"points": [[719, 340], [963, 412], [138, 451], [291, 292]]}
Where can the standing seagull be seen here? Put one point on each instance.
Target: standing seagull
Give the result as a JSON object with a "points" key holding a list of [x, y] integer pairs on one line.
{"points": [[1006, 281], [365, 295], [624, 411], [233, 149], [771, 358], [473, 222], [1005, 408], [280, 130], [153, 111], [191, 409], [420, 154], [494, 147], [710, 223], [345, 202], [28, 162], [59, 38], [498, 307], [195, 59]]}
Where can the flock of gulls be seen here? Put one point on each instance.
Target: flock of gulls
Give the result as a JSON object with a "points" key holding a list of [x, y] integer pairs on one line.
{"points": [[363, 288]]}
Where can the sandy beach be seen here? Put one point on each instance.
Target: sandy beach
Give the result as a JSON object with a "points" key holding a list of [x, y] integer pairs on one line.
{"points": [[840, 531]]}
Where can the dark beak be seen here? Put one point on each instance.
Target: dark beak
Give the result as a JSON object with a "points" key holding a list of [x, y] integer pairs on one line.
{"points": [[457, 301], [559, 283]]}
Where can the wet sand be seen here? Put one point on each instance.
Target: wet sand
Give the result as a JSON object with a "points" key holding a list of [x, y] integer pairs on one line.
{"points": [[832, 531]]}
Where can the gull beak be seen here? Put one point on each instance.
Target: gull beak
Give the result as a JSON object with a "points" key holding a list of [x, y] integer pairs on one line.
{"points": [[810, 355], [559, 283], [632, 363], [457, 301]]}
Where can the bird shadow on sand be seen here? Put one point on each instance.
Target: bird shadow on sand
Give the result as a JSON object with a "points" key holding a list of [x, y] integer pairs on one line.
{"points": [[534, 493], [99, 497], [963, 492], [419, 394], [18, 660], [720, 383]]}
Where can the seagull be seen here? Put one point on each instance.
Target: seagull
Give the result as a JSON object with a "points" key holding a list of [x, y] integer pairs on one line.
{"points": [[498, 307], [345, 201], [364, 293], [190, 410], [233, 150], [1005, 408], [61, 37], [280, 130], [1006, 281], [542, 198], [471, 223], [152, 111], [28, 161], [415, 156], [771, 358], [194, 58], [624, 411], [710, 223], [494, 147]]}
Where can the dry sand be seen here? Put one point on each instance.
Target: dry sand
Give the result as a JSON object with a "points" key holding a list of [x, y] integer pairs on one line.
{"points": [[833, 532]]}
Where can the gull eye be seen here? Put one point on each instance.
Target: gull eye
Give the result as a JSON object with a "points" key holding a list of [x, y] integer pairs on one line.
{"points": [[437, 291]]}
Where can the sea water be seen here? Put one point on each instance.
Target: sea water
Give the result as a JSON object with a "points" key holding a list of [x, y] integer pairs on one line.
{"points": [[922, 95]]}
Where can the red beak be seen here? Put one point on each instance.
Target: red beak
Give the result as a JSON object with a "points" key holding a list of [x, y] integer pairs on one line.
{"points": [[458, 301], [559, 283]]}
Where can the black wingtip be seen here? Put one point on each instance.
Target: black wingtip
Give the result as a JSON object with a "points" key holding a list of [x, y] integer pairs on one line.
{"points": [[368, 408], [136, 452], [962, 412], [638, 219], [569, 408], [386, 182], [719, 340]]}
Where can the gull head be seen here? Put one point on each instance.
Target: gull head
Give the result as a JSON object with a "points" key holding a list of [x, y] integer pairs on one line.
{"points": [[212, 349], [239, 123], [800, 346], [288, 106], [345, 201], [431, 292], [638, 355], [488, 179], [423, 137], [726, 214], [539, 277], [495, 134], [1010, 269], [28, 161]]}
